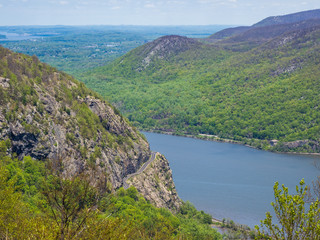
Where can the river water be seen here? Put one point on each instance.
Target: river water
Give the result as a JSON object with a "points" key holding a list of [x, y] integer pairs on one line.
{"points": [[228, 180], [17, 37]]}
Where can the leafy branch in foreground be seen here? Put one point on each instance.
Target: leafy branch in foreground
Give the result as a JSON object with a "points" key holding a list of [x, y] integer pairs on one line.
{"points": [[297, 220], [72, 202]]}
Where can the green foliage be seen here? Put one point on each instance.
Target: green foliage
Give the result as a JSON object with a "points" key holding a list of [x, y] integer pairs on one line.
{"points": [[39, 204], [296, 219], [17, 219], [71, 201], [251, 96], [187, 210], [160, 223]]}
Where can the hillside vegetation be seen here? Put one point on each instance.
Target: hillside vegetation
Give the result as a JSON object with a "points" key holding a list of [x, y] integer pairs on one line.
{"points": [[38, 203], [63, 155], [251, 87]]}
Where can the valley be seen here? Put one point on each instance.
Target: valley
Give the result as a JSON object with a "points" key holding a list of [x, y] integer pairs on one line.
{"points": [[76, 49], [73, 164], [258, 87]]}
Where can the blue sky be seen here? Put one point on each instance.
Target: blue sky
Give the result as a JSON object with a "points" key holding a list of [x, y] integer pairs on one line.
{"points": [[146, 12]]}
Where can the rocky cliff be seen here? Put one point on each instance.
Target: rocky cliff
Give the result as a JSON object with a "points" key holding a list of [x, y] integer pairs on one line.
{"points": [[156, 184], [46, 114]]}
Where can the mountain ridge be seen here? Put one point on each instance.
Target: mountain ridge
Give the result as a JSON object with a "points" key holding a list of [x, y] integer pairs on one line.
{"points": [[266, 23], [289, 18]]}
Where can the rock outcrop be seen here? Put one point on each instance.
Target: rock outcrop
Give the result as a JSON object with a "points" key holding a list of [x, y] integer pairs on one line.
{"points": [[162, 48], [155, 183], [303, 146]]}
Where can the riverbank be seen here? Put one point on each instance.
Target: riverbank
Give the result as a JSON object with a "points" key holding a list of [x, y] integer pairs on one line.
{"points": [[264, 145]]}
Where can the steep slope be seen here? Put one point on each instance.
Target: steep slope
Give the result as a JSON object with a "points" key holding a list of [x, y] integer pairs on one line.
{"points": [[156, 184], [46, 114], [265, 95]]}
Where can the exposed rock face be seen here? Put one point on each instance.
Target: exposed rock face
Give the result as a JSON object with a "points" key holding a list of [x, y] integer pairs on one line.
{"points": [[166, 46], [47, 114], [299, 146], [4, 82], [58, 118], [273, 142], [155, 183], [50, 135], [112, 122]]}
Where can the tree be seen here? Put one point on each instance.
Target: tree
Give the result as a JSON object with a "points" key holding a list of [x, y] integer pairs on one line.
{"points": [[297, 220], [72, 202]]}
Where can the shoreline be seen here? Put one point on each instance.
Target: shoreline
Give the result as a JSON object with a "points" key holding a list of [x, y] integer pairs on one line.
{"points": [[215, 138]]}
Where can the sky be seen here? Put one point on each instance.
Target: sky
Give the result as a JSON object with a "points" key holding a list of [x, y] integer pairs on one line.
{"points": [[146, 12]]}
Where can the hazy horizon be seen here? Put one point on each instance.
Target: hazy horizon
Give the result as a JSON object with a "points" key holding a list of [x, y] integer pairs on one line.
{"points": [[145, 12]]}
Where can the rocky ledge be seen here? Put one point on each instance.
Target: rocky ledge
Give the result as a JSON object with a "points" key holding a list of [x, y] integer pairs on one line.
{"points": [[155, 183]]}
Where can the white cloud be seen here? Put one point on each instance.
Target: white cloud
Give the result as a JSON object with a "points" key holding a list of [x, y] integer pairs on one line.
{"points": [[1, 5], [63, 2], [220, 2], [149, 5], [115, 7], [176, 2]]}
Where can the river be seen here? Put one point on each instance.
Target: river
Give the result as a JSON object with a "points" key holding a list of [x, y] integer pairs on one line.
{"points": [[229, 180], [17, 37]]}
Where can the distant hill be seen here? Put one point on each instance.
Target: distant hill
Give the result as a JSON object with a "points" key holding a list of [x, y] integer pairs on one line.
{"points": [[165, 46], [228, 32], [269, 23], [260, 87], [289, 18], [259, 35]]}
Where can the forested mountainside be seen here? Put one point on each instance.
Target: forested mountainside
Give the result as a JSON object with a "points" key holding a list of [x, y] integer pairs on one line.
{"points": [[289, 19], [259, 87], [64, 154]]}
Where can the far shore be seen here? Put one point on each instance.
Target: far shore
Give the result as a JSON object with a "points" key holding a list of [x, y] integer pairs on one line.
{"points": [[215, 138]]}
